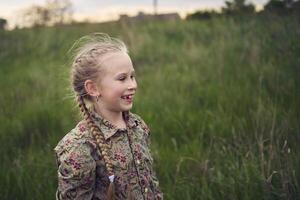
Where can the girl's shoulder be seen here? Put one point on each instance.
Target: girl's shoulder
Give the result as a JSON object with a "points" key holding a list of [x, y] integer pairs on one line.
{"points": [[75, 138]]}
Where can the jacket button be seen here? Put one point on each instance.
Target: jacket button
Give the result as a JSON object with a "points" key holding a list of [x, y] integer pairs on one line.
{"points": [[138, 162]]}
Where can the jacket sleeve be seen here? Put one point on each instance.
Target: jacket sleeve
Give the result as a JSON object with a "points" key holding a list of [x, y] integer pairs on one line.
{"points": [[76, 173]]}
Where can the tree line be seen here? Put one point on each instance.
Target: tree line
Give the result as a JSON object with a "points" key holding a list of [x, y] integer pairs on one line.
{"points": [[241, 7], [58, 12]]}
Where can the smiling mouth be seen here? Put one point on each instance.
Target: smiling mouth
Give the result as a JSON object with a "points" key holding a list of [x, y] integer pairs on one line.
{"points": [[127, 97]]}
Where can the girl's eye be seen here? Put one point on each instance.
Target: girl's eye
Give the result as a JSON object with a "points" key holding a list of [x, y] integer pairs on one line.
{"points": [[122, 78]]}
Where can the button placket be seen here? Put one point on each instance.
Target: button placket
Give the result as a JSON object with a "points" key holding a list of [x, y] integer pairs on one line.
{"points": [[136, 162], [146, 194]]}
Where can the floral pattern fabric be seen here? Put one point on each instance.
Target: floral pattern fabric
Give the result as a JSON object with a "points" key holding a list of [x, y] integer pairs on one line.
{"points": [[82, 174]]}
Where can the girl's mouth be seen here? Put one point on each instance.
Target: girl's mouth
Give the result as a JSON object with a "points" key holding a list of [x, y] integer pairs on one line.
{"points": [[128, 97]]}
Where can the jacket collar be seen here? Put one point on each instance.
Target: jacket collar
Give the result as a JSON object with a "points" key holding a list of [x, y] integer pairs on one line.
{"points": [[107, 128]]}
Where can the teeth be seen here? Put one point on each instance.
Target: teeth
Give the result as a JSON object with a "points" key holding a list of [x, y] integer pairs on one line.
{"points": [[127, 97]]}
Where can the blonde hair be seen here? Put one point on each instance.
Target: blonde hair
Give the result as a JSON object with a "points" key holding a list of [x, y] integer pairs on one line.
{"points": [[86, 62], [86, 65]]}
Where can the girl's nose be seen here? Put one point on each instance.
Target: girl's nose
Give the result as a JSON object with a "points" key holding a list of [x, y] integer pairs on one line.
{"points": [[132, 85]]}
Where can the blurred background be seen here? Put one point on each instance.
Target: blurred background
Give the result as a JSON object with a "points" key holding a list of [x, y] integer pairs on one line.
{"points": [[218, 87]]}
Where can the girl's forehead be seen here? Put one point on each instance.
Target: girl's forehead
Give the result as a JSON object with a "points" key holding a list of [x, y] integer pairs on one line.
{"points": [[116, 62]]}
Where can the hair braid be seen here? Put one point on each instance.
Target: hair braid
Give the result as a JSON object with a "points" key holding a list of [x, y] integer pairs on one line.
{"points": [[98, 136]]}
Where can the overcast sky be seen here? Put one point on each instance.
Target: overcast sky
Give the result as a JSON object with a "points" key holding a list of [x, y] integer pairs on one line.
{"points": [[102, 10]]}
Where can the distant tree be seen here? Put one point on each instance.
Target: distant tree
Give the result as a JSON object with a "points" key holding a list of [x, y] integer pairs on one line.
{"points": [[207, 14], [289, 3], [282, 7], [3, 23], [54, 12], [36, 15], [60, 10], [238, 7], [296, 7], [276, 7]]}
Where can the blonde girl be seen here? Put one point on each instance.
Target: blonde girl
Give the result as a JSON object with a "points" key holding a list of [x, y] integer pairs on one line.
{"points": [[106, 156]]}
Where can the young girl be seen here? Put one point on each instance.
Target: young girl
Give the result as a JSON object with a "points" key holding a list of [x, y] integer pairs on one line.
{"points": [[106, 156]]}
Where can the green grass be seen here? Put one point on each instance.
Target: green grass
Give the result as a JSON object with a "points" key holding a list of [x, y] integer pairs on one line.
{"points": [[221, 98]]}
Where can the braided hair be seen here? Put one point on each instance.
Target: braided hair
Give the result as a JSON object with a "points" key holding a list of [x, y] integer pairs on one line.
{"points": [[87, 66]]}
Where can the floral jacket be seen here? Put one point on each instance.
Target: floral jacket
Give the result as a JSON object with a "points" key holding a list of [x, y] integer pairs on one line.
{"points": [[81, 170]]}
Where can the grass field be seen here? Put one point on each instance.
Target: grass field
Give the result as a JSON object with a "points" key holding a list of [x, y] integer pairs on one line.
{"points": [[221, 98]]}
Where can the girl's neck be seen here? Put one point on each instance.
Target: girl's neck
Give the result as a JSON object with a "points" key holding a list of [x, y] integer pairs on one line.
{"points": [[115, 118]]}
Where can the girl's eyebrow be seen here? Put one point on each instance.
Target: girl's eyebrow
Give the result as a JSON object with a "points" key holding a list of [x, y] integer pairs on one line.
{"points": [[132, 73]]}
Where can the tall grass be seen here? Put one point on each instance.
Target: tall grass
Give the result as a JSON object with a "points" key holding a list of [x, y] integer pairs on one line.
{"points": [[221, 98]]}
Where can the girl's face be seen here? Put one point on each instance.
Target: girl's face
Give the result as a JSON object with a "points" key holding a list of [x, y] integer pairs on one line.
{"points": [[117, 84]]}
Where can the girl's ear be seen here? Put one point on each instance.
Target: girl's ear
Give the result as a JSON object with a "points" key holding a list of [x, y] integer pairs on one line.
{"points": [[91, 88]]}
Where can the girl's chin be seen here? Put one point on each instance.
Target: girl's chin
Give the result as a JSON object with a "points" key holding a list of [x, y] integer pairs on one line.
{"points": [[126, 105]]}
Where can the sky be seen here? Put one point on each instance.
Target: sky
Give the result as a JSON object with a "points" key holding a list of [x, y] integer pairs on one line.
{"points": [[105, 10]]}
